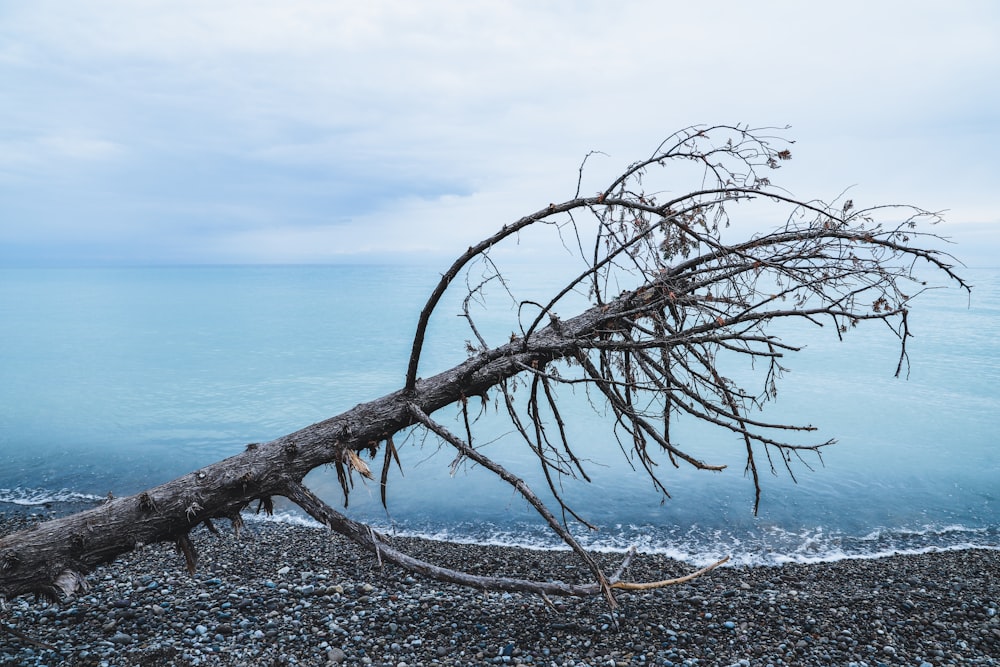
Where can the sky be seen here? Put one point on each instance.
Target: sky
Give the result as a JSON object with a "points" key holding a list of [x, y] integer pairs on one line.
{"points": [[314, 131]]}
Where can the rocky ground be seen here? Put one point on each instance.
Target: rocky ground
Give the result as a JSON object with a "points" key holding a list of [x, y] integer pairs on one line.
{"points": [[286, 595]]}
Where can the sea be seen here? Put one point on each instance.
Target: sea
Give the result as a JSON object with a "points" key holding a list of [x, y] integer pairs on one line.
{"points": [[116, 379]]}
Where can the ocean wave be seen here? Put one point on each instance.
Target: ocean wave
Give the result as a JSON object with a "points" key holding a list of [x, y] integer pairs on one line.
{"points": [[699, 546], [290, 518], [35, 497]]}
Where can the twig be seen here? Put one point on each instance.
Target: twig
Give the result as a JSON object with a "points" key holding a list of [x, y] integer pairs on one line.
{"points": [[362, 535]]}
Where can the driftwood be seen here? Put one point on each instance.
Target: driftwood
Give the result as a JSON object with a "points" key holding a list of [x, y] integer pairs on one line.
{"points": [[650, 353]]}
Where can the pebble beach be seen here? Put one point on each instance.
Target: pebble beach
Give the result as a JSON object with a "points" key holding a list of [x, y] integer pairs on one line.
{"points": [[284, 594]]}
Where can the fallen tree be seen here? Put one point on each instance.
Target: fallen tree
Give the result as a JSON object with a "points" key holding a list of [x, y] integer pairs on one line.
{"points": [[669, 302]]}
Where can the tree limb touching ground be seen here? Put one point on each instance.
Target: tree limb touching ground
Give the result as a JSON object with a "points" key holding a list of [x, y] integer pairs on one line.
{"points": [[670, 304]]}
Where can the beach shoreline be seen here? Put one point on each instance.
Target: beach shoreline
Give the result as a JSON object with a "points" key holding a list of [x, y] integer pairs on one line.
{"points": [[286, 594]]}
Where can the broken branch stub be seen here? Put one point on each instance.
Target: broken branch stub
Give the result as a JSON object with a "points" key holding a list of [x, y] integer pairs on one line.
{"points": [[669, 300]]}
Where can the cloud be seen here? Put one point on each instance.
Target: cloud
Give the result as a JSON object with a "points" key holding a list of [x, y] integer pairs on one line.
{"points": [[269, 129], [45, 151]]}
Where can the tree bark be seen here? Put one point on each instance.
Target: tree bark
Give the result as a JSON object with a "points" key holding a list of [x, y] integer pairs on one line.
{"points": [[652, 353], [51, 558]]}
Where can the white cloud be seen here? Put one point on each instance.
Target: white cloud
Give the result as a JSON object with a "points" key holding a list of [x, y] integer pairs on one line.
{"points": [[450, 112], [80, 148], [51, 149]]}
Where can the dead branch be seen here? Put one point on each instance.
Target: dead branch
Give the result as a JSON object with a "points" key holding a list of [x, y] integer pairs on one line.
{"points": [[378, 545], [670, 300]]}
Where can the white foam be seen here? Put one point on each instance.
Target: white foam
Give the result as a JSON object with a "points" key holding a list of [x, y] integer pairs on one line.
{"points": [[290, 518], [838, 555], [34, 497], [775, 546]]}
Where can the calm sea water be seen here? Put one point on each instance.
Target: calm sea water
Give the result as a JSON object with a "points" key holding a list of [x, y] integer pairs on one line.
{"points": [[115, 379]]}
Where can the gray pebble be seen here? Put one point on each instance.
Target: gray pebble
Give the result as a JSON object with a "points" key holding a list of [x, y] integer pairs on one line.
{"points": [[232, 613]]}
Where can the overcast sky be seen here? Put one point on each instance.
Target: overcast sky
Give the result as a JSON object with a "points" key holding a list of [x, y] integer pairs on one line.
{"points": [[316, 131]]}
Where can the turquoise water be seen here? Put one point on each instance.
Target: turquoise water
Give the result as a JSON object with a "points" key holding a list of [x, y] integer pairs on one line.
{"points": [[116, 379]]}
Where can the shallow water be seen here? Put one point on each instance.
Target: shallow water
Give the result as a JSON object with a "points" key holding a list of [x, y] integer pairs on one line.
{"points": [[115, 379]]}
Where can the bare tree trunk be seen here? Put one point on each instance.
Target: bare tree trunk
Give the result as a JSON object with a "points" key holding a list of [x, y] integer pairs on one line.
{"points": [[52, 557], [651, 353]]}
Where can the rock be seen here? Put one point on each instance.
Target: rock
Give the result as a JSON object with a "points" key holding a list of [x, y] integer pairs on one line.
{"points": [[831, 618]]}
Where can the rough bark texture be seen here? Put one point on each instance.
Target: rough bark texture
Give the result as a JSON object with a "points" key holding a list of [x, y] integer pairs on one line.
{"points": [[652, 354], [52, 557]]}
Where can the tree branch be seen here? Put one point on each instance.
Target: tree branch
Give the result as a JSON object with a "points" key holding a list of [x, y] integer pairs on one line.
{"points": [[682, 290]]}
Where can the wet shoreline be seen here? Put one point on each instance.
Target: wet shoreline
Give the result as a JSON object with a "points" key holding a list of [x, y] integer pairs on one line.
{"points": [[283, 594]]}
